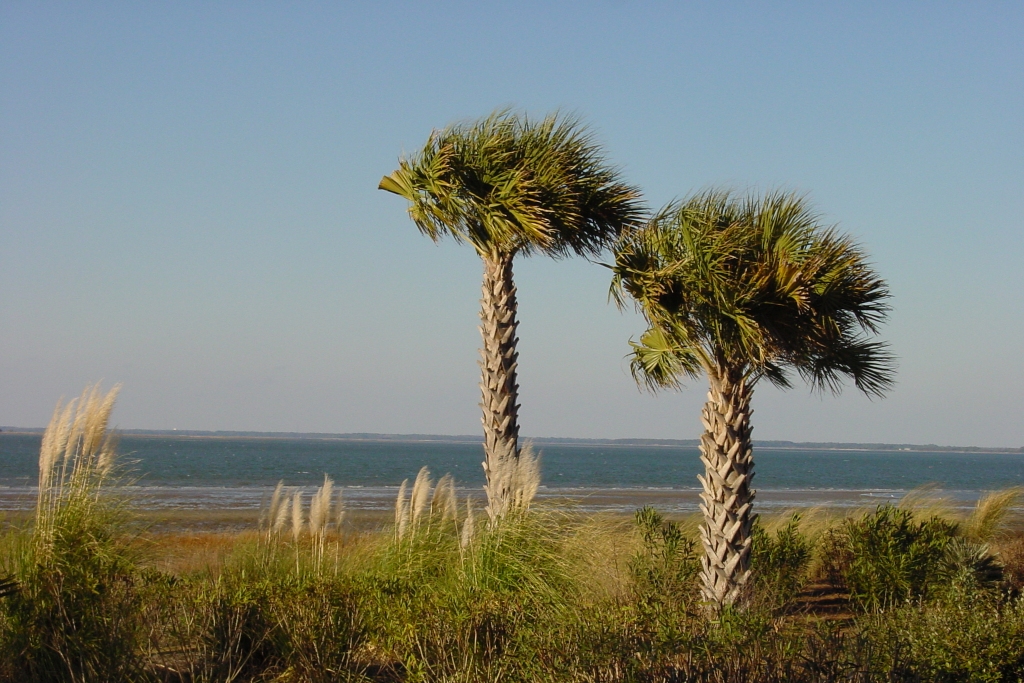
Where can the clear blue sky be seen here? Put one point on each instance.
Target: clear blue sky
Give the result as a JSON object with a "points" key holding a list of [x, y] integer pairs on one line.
{"points": [[188, 204]]}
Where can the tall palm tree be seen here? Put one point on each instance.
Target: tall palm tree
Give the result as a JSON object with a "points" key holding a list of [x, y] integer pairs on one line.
{"points": [[510, 185], [740, 289]]}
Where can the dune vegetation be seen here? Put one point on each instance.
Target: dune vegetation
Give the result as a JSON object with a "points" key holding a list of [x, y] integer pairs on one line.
{"points": [[917, 592]]}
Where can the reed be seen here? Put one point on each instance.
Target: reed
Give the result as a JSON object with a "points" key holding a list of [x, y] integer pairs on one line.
{"points": [[320, 508]]}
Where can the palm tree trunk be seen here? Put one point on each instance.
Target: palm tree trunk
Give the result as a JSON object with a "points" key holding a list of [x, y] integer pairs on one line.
{"points": [[499, 390], [727, 453]]}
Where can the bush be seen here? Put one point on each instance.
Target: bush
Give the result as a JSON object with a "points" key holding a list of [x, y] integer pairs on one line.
{"points": [[664, 568], [1012, 555], [977, 637], [887, 557], [74, 615], [779, 563]]}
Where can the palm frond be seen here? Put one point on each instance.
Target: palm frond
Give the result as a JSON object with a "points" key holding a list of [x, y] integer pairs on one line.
{"points": [[869, 364], [658, 363], [760, 285], [507, 184]]}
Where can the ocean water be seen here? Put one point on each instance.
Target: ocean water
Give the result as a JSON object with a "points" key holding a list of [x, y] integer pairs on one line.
{"points": [[199, 472]]}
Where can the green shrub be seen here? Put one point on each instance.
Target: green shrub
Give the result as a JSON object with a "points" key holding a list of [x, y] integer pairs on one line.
{"points": [[976, 638], [321, 629], [74, 615], [664, 568], [779, 563], [434, 609], [887, 557], [1011, 555]]}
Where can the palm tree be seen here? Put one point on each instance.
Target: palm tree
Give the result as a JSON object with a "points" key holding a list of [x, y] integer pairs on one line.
{"points": [[509, 185], [741, 289]]}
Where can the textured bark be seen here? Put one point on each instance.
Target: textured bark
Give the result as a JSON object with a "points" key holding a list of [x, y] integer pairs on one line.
{"points": [[499, 390], [726, 501]]}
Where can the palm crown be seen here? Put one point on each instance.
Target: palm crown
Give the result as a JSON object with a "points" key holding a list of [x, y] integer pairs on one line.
{"points": [[507, 184], [755, 286]]}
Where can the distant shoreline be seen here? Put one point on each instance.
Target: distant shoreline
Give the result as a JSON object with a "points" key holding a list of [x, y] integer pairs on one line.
{"points": [[540, 441]]}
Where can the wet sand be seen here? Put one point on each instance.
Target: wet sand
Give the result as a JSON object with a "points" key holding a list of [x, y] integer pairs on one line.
{"points": [[217, 509]]}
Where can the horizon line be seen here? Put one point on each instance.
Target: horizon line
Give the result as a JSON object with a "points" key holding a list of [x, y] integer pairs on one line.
{"points": [[463, 438]]}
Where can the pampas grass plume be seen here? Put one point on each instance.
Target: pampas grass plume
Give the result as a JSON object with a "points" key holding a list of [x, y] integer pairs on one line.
{"points": [[52, 445], [297, 514], [512, 483], [444, 501], [401, 511], [75, 456], [275, 505], [467, 526], [420, 494], [526, 480], [320, 508], [280, 520]]}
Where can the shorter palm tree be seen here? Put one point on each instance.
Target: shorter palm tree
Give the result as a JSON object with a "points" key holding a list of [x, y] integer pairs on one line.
{"points": [[741, 289]]}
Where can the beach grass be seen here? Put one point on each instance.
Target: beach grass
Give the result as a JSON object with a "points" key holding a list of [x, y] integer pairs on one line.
{"points": [[549, 595], [307, 590]]}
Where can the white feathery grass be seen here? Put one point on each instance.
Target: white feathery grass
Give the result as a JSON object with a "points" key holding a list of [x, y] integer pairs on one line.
{"points": [[437, 500], [316, 517], [275, 505], [52, 446], [96, 438], [297, 517], [401, 510], [75, 457], [467, 527], [499, 483], [512, 484], [280, 520], [320, 508], [444, 501], [319, 517], [420, 494], [526, 479]]}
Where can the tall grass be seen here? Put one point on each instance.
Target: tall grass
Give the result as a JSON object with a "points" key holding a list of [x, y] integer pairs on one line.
{"points": [[446, 594], [73, 614]]}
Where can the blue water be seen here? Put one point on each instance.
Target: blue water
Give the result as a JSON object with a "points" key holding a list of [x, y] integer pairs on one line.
{"points": [[259, 462]]}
